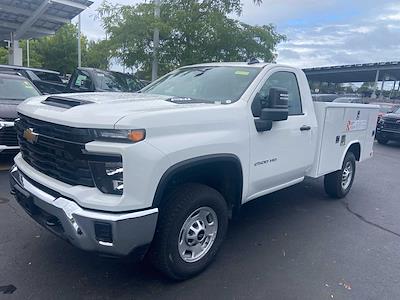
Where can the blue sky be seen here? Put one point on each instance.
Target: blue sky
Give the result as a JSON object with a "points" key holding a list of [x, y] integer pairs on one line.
{"points": [[319, 32]]}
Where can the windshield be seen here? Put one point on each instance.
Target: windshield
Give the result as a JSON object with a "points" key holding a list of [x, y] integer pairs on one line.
{"points": [[210, 84], [16, 89], [397, 111], [117, 82], [385, 109], [46, 76]]}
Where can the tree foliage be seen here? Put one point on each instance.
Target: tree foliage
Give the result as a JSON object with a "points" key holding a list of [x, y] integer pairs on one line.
{"points": [[191, 31], [97, 54], [60, 51], [3, 56]]}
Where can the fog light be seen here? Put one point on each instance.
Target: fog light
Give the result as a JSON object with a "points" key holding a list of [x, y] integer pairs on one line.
{"points": [[108, 176], [103, 232]]}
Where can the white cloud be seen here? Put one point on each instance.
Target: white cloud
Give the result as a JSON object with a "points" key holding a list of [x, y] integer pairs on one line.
{"points": [[328, 32]]}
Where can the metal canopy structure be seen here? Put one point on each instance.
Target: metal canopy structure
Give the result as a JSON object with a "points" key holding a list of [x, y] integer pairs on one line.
{"points": [[373, 72], [384, 71], [27, 19]]}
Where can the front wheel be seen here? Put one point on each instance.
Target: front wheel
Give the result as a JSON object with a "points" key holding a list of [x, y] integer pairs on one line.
{"points": [[339, 183], [191, 228]]}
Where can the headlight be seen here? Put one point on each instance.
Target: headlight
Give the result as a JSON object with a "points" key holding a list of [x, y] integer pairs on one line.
{"points": [[108, 176], [120, 135]]}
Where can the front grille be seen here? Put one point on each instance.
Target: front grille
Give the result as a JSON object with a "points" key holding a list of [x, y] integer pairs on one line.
{"points": [[391, 126], [8, 136], [58, 151]]}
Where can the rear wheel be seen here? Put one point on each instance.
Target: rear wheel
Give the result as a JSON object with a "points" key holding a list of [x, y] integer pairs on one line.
{"points": [[191, 228], [339, 183]]}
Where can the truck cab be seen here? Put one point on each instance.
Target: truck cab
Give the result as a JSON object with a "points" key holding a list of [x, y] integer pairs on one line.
{"points": [[96, 80]]}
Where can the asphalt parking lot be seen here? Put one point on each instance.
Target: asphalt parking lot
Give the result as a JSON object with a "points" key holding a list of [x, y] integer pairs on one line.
{"points": [[293, 244]]}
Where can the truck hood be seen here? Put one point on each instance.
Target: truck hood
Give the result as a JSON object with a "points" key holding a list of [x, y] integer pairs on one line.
{"points": [[392, 116], [99, 110]]}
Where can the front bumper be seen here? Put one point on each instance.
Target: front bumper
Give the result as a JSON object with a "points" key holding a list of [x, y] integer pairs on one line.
{"points": [[116, 234], [388, 134], [3, 146]]}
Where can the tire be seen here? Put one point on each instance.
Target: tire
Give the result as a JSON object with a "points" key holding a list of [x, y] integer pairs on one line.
{"points": [[382, 141], [335, 184], [173, 234]]}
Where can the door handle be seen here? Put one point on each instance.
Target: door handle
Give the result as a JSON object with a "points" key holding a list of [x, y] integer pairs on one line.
{"points": [[305, 128]]}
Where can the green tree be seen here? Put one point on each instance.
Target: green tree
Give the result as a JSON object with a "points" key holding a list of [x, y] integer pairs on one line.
{"points": [[3, 56], [366, 87], [35, 60], [60, 52], [191, 31], [97, 55]]}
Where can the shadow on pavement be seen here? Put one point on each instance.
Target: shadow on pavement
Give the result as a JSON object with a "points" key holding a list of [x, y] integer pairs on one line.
{"points": [[263, 226], [6, 161]]}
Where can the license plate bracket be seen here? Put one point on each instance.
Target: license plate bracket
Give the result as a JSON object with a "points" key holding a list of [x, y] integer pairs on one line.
{"points": [[26, 201]]}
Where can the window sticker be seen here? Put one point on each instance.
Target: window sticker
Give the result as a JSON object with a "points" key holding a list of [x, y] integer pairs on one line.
{"points": [[27, 85], [80, 79], [242, 73]]}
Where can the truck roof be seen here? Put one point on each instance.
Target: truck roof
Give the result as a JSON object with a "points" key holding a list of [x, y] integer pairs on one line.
{"points": [[231, 64], [27, 68], [11, 76]]}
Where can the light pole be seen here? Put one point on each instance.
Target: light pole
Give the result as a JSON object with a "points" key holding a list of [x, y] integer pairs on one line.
{"points": [[156, 42], [79, 42], [28, 59]]}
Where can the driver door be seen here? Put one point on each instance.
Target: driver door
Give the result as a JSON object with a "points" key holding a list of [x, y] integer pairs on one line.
{"points": [[279, 157]]}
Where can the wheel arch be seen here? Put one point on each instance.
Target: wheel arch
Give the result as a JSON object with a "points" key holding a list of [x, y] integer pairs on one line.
{"points": [[222, 172], [355, 148]]}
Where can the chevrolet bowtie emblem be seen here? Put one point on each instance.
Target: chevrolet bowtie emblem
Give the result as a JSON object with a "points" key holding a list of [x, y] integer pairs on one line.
{"points": [[30, 135]]}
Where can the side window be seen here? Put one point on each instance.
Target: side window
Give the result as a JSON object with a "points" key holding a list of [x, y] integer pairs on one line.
{"points": [[82, 82], [287, 81]]}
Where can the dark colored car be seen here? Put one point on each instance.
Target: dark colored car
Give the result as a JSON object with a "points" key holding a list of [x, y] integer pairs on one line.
{"points": [[389, 127], [96, 80], [82, 80], [46, 81], [385, 108], [13, 90]]}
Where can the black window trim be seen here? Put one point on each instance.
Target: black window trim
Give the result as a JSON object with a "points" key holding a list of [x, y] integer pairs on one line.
{"points": [[76, 75], [298, 87]]}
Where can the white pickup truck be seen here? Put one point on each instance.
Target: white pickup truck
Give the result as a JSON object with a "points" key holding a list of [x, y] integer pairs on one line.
{"points": [[161, 172]]}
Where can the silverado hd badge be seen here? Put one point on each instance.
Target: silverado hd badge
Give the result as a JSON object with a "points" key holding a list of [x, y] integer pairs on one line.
{"points": [[30, 135]]}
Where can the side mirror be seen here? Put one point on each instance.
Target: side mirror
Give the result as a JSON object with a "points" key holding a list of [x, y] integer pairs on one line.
{"points": [[277, 109], [274, 114], [263, 125]]}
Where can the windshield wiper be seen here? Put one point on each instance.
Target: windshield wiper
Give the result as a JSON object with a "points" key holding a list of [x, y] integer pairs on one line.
{"points": [[17, 99], [202, 71], [183, 100]]}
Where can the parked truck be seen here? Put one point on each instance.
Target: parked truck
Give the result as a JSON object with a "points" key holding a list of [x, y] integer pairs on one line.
{"points": [[81, 80], [161, 172]]}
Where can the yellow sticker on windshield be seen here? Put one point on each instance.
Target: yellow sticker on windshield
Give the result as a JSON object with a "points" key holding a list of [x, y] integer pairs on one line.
{"points": [[243, 73], [27, 85]]}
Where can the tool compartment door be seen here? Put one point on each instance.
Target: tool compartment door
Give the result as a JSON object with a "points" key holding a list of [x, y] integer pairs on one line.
{"points": [[342, 125]]}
